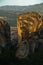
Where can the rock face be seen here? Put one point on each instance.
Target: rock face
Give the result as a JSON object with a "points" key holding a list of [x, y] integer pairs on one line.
{"points": [[28, 26], [4, 32]]}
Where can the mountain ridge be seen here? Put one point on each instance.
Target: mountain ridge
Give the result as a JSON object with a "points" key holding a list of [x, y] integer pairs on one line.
{"points": [[11, 12], [35, 7]]}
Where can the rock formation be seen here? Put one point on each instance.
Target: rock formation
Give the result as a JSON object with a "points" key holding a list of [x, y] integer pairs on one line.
{"points": [[29, 25], [4, 32]]}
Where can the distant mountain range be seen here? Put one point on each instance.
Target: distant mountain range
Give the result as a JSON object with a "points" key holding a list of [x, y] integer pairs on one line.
{"points": [[11, 12], [37, 8]]}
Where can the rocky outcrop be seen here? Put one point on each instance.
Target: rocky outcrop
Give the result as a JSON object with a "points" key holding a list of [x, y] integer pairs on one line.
{"points": [[29, 25], [4, 32]]}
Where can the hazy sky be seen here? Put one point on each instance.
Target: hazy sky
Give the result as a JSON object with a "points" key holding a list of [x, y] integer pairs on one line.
{"points": [[19, 2]]}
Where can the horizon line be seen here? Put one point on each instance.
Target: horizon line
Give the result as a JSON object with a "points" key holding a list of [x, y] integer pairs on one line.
{"points": [[23, 5]]}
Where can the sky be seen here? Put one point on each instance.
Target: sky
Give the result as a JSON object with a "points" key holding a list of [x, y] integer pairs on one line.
{"points": [[20, 2]]}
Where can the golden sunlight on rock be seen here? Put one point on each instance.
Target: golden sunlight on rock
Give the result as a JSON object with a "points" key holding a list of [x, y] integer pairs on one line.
{"points": [[27, 24], [31, 21]]}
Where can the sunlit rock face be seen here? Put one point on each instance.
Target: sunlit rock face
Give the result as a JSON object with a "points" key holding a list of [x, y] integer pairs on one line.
{"points": [[27, 24], [4, 32], [31, 21]]}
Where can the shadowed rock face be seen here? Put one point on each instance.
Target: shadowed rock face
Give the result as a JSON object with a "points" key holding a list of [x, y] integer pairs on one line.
{"points": [[4, 32], [28, 24]]}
